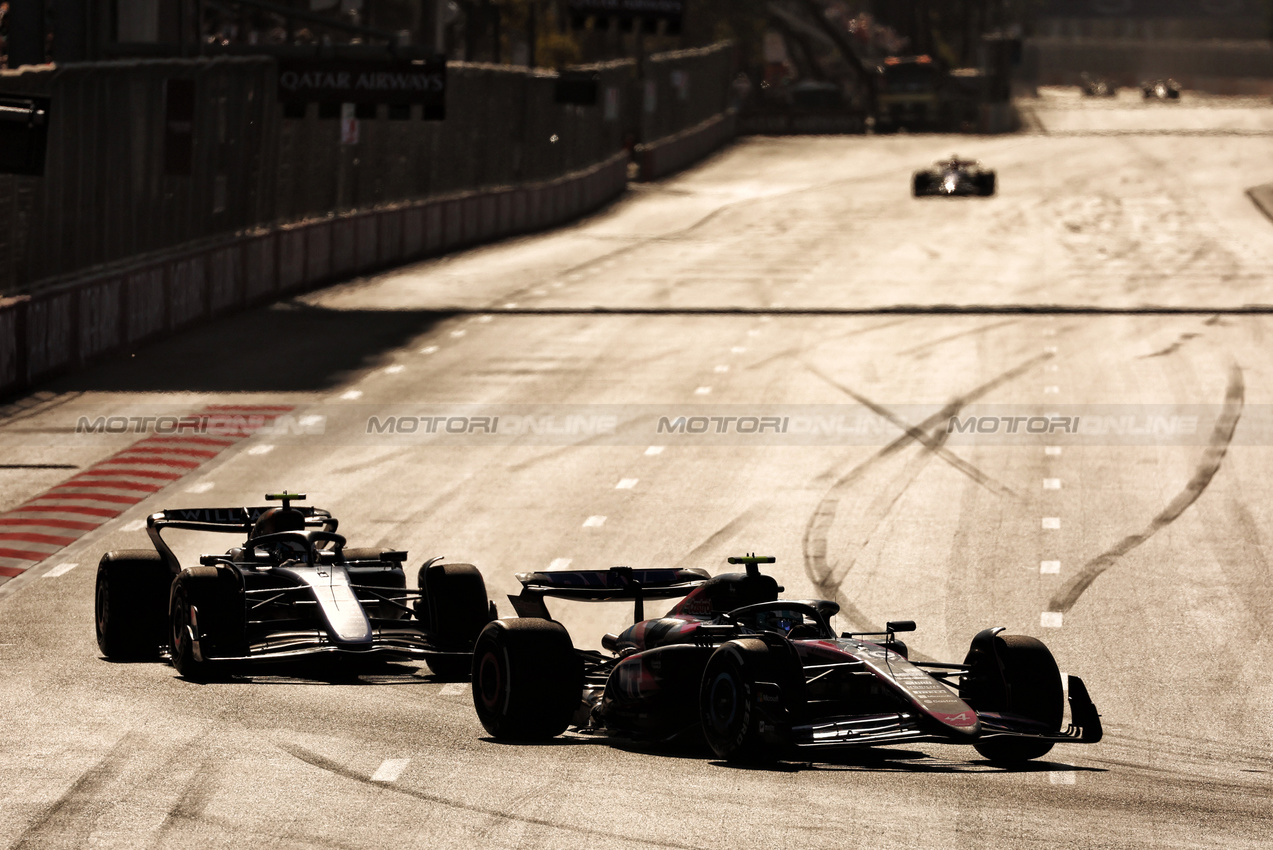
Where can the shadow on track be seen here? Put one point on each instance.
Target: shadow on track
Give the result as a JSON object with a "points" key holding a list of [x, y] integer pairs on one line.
{"points": [[286, 347]]}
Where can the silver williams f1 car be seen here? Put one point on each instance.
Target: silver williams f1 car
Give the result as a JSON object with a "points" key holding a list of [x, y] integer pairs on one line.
{"points": [[290, 588], [954, 177], [758, 677]]}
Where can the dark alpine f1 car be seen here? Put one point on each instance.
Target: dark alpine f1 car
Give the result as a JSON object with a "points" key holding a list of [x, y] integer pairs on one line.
{"points": [[1160, 89], [290, 588], [954, 176], [758, 677]]}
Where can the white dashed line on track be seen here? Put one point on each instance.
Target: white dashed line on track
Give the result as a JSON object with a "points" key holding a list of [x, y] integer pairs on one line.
{"points": [[753, 332], [654, 450], [60, 569], [594, 522], [1051, 523], [261, 450], [559, 564], [1051, 390], [738, 349], [1049, 567], [457, 334], [626, 483], [395, 369], [352, 395], [429, 349], [201, 487], [1051, 450], [720, 370], [1051, 349], [1051, 619], [484, 319], [703, 391], [510, 305], [1051, 483], [389, 770]]}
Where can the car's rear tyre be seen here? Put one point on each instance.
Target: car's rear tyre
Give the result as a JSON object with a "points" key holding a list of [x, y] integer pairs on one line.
{"points": [[1033, 690], [207, 605], [921, 184], [454, 608], [729, 697], [527, 679], [131, 603], [986, 183]]}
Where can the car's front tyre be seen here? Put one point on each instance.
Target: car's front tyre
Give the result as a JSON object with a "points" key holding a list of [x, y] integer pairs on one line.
{"points": [[527, 679], [206, 617], [130, 603]]}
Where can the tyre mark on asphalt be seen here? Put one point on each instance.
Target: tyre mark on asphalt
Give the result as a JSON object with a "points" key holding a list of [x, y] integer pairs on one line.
{"points": [[936, 444], [1207, 468], [828, 579], [71, 819], [726, 532], [323, 763], [1173, 348], [192, 804], [972, 332]]}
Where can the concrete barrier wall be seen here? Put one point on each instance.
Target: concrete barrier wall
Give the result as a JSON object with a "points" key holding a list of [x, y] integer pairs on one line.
{"points": [[68, 326], [670, 154]]}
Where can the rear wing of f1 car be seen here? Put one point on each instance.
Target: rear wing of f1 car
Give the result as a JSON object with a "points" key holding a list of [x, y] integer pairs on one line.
{"points": [[614, 584], [223, 521]]}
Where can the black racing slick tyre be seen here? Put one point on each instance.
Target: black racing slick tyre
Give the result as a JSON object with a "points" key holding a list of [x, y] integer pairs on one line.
{"points": [[921, 184], [734, 725], [1030, 687], [131, 604], [527, 679], [206, 614], [454, 608], [986, 183]]}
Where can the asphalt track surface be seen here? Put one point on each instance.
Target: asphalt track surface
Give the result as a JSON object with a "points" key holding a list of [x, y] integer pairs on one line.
{"points": [[1120, 272]]}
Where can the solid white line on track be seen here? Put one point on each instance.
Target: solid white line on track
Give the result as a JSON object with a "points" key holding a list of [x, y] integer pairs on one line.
{"points": [[594, 522], [389, 770], [1051, 483], [626, 483], [559, 564], [1051, 619], [60, 569], [654, 450], [1049, 567], [1052, 523]]}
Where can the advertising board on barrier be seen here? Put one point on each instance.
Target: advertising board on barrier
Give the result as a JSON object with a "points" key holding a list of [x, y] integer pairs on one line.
{"points": [[369, 82]]}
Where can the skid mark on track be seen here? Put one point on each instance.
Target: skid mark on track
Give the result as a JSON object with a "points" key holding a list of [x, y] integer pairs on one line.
{"points": [[1173, 348], [726, 532], [924, 346], [323, 763], [193, 802], [70, 820], [1212, 458], [827, 576], [934, 442]]}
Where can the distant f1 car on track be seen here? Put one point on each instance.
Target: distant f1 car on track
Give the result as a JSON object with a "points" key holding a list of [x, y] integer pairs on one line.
{"points": [[954, 176], [758, 677], [1093, 86], [1160, 89], [291, 588]]}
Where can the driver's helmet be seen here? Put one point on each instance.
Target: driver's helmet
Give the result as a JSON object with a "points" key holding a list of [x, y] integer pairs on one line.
{"points": [[276, 520]]}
